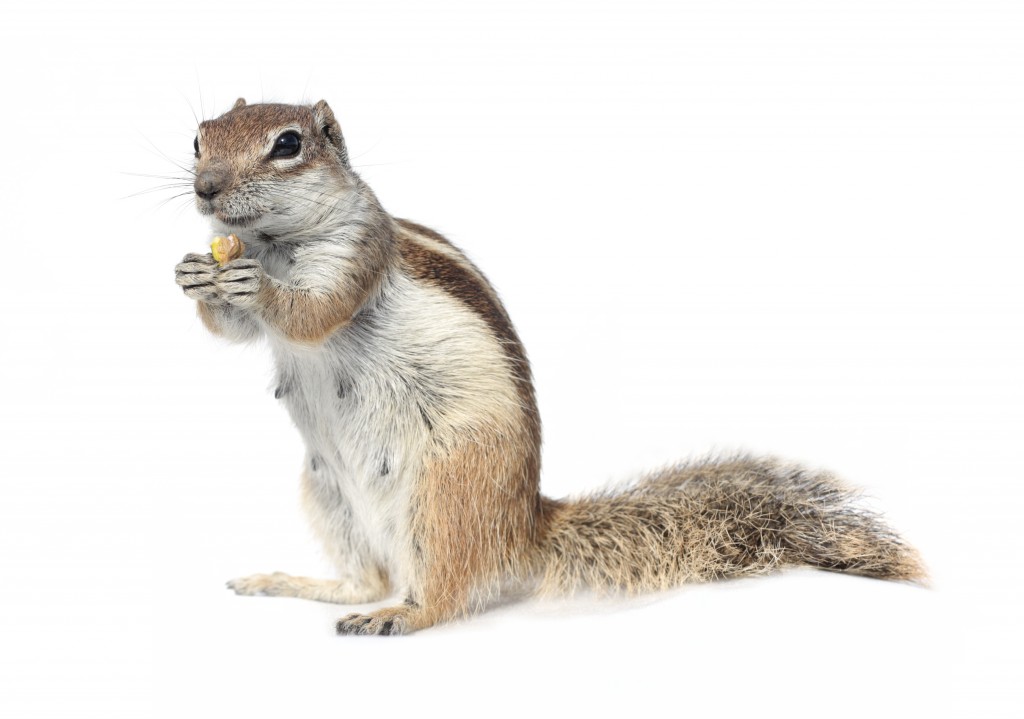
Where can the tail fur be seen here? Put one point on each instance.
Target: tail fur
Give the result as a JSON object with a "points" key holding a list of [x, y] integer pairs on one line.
{"points": [[721, 518]]}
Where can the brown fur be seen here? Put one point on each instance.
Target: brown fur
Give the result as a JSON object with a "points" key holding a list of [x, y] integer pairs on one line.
{"points": [[473, 515], [303, 315], [464, 282], [236, 134], [309, 316], [205, 312], [414, 228], [477, 504]]}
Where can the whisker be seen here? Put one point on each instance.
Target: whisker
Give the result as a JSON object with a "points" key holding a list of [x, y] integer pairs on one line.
{"points": [[172, 198], [157, 177], [202, 109], [160, 188], [190, 107], [378, 164], [368, 150]]}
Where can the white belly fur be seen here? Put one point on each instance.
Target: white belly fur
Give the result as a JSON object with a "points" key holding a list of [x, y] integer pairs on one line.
{"points": [[416, 371]]}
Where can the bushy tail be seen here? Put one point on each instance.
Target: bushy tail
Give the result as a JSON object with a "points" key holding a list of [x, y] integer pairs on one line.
{"points": [[722, 518]]}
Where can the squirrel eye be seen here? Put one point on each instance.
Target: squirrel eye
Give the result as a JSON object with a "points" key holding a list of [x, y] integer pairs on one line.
{"points": [[195, 144], [287, 145]]}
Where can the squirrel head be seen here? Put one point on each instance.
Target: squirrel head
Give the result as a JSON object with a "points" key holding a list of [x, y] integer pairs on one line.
{"points": [[268, 166]]}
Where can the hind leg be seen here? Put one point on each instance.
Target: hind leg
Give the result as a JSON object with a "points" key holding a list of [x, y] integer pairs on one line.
{"points": [[471, 511]]}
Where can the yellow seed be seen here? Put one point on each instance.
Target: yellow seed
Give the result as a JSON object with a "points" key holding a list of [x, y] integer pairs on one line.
{"points": [[226, 249]]}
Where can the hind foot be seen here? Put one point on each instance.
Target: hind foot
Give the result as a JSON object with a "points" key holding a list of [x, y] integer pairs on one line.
{"points": [[390, 621], [333, 591]]}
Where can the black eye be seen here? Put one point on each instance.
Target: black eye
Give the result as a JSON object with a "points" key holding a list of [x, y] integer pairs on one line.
{"points": [[287, 145], [195, 144]]}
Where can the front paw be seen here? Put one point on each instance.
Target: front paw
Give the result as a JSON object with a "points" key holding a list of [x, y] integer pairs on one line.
{"points": [[240, 282], [197, 277]]}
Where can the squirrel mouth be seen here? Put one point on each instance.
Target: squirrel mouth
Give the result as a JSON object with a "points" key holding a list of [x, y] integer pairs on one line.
{"points": [[236, 220]]}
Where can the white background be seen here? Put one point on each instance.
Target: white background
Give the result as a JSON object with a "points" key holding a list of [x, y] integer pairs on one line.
{"points": [[790, 227]]}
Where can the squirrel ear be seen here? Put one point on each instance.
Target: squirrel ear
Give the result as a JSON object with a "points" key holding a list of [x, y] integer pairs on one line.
{"points": [[325, 122], [325, 119], [240, 102]]}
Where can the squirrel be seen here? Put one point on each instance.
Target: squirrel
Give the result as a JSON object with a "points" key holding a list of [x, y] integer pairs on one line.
{"points": [[413, 394]]}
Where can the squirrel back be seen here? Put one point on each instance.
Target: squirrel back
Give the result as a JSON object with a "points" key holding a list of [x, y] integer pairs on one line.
{"points": [[413, 394]]}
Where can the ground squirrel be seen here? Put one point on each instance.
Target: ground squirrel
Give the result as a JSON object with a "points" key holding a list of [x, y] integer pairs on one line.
{"points": [[412, 391]]}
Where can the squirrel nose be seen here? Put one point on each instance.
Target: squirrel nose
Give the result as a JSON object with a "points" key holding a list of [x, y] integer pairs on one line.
{"points": [[209, 182]]}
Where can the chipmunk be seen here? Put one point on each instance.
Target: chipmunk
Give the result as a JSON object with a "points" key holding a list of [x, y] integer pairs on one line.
{"points": [[413, 394]]}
